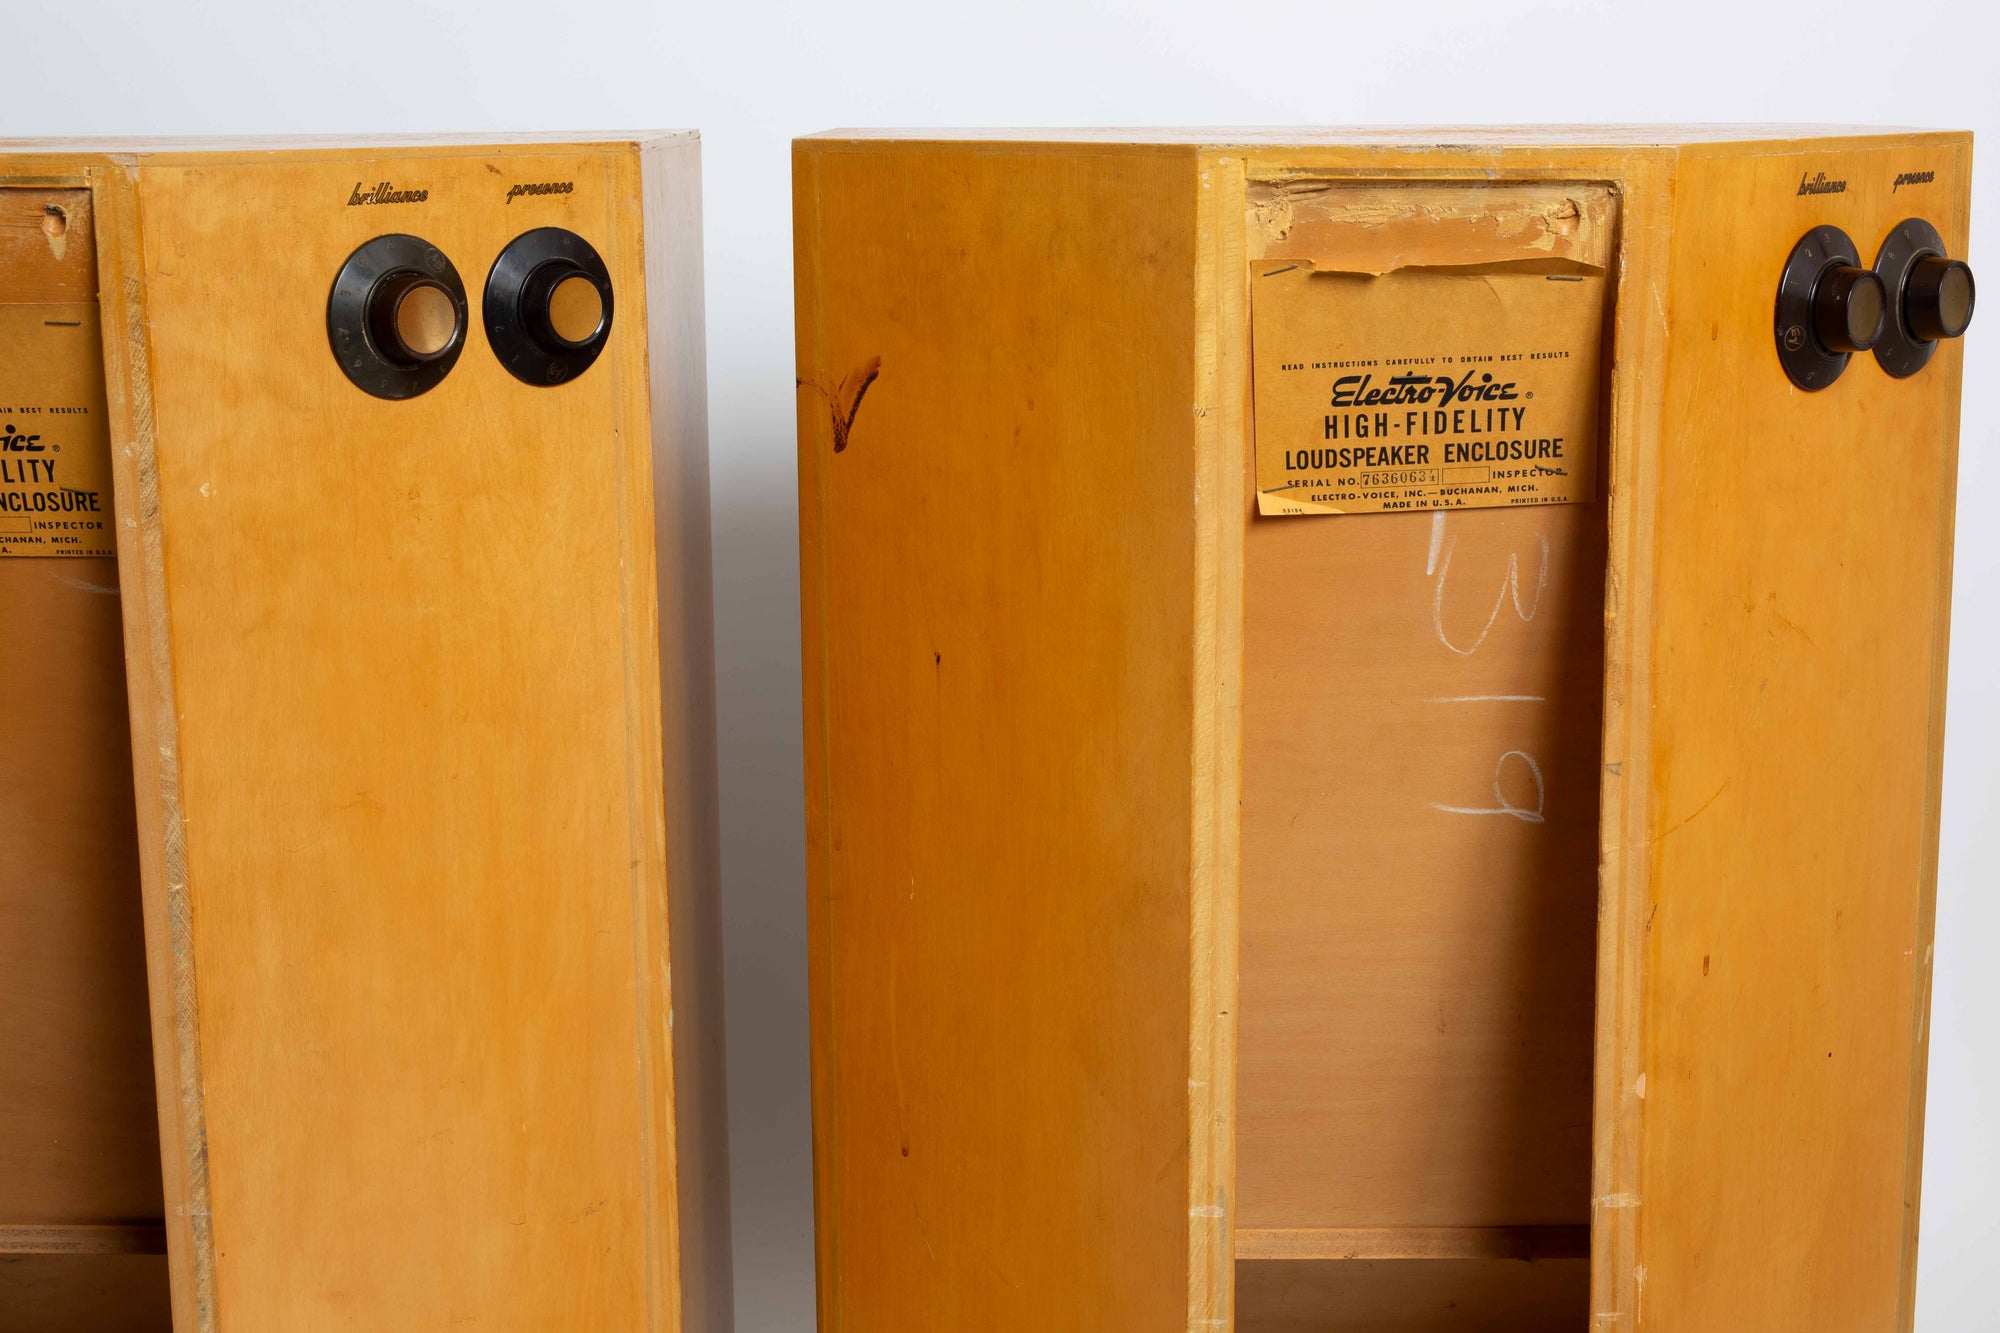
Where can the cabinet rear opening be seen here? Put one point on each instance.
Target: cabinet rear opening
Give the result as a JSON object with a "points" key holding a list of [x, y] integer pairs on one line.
{"points": [[1423, 707], [1423, 696]]}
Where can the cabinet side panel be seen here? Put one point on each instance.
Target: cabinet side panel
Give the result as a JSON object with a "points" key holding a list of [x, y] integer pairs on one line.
{"points": [[999, 509], [1798, 639], [677, 359]]}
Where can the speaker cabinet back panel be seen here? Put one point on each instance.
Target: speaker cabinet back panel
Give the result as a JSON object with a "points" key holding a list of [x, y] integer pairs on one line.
{"points": [[81, 1238], [416, 862], [1415, 1026], [1498, 915]]}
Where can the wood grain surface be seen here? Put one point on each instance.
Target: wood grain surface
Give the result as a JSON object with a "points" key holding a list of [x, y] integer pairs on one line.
{"points": [[398, 737], [83, 1293], [1000, 588], [1800, 595], [1422, 698]]}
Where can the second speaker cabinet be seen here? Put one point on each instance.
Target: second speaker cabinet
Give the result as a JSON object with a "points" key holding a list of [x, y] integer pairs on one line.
{"points": [[408, 467], [1373, 723]]}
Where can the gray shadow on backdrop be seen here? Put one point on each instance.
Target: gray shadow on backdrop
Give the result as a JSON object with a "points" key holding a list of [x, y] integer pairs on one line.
{"points": [[753, 492]]}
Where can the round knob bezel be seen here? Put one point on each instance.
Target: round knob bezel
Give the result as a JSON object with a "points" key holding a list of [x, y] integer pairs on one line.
{"points": [[1899, 350], [517, 288], [1807, 362], [368, 275]]}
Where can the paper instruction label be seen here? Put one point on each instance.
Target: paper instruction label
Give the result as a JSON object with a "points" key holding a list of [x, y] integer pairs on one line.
{"points": [[1425, 388], [55, 444]]}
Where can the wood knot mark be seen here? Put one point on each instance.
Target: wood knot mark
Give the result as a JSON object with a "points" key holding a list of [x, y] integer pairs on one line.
{"points": [[844, 400], [55, 226]]}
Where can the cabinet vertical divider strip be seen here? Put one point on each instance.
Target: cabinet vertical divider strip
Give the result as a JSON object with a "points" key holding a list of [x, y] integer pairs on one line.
{"points": [[1221, 430], [1632, 447], [155, 751]]}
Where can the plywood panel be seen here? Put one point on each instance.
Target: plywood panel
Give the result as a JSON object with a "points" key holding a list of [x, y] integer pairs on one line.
{"points": [[1801, 592], [1364, 1243], [1413, 1296], [398, 662], [78, 1140], [48, 245], [1422, 706], [83, 1293], [998, 523], [1421, 713]]}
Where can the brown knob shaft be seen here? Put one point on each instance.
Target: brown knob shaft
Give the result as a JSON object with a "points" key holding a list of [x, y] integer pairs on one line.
{"points": [[562, 306], [412, 318], [1848, 304], [1937, 300]]}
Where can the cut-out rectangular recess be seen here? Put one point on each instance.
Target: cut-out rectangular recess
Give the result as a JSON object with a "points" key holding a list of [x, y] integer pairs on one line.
{"points": [[1422, 709], [82, 1243]]}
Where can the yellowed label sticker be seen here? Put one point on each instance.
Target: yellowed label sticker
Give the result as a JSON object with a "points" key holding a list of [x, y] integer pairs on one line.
{"points": [[55, 444], [1425, 388]]}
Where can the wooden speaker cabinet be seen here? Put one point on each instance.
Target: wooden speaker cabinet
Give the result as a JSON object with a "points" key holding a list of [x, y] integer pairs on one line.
{"points": [[1373, 723], [402, 449]]}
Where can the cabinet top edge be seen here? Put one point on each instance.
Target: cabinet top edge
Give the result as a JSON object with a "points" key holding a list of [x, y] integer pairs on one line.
{"points": [[1447, 138], [253, 146]]}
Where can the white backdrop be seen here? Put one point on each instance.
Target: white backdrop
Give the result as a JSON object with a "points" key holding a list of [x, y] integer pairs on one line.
{"points": [[751, 75]]}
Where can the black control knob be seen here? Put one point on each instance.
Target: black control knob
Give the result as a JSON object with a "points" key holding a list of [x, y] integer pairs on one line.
{"points": [[413, 318], [1829, 308], [396, 317], [1848, 305], [1938, 298], [548, 306]]}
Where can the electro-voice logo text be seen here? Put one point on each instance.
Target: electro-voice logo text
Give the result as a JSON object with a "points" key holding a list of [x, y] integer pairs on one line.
{"points": [[1359, 391]]}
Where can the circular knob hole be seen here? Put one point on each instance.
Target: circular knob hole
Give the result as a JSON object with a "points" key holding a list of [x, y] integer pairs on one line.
{"points": [[1938, 301], [414, 318], [1848, 305], [576, 309], [426, 320], [563, 306]]}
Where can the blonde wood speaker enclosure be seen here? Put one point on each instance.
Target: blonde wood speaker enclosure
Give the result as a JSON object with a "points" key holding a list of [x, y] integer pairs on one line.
{"points": [[421, 720], [1182, 954]]}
